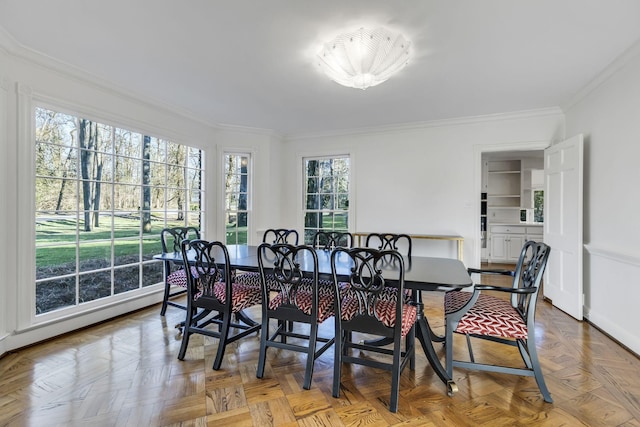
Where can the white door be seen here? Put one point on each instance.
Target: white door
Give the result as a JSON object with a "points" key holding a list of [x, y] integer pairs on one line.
{"points": [[563, 224]]}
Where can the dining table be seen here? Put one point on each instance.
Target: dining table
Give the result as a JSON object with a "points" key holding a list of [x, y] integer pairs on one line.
{"points": [[421, 274]]}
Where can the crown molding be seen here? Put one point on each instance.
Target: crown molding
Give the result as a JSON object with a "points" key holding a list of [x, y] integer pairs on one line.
{"points": [[515, 115], [249, 129], [609, 71], [7, 43]]}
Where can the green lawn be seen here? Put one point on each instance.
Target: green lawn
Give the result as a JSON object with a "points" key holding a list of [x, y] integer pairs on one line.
{"points": [[56, 239]]}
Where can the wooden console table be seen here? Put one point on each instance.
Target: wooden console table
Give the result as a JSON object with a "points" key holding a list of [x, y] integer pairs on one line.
{"points": [[459, 240]]}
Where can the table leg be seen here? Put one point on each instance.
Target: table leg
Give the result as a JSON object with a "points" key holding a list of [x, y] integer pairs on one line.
{"points": [[432, 335], [425, 334]]}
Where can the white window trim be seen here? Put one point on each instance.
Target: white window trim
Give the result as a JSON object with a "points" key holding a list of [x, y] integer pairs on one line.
{"points": [[4, 235], [300, 174], [220, 202], [25, 315]]}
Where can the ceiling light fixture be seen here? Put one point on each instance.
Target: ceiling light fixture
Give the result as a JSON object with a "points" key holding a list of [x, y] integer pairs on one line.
{"points": [[364, 58]]}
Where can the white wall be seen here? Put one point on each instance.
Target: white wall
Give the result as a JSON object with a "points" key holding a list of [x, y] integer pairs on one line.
{"points": [[609, 117], [26, 80], [423, 179]]}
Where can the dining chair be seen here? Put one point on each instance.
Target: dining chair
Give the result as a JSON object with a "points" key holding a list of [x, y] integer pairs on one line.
{"points": [[175, 274], [272, 236], [289, 300], [508, 321], [390, 241], [328, 240], [210, 289], [361, 309], [395, 242], [280, 235]]}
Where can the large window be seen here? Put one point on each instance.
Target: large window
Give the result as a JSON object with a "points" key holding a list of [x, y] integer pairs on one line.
{"points": [[236, 197], [326, 195], [102, 195]]}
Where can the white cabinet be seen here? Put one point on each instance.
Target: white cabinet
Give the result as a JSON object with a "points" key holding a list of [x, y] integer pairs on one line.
{"points": [[506, 247], [506, 243], [498, 247]]}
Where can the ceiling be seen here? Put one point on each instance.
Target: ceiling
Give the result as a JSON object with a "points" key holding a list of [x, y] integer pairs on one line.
{"points": [[251, 63]]}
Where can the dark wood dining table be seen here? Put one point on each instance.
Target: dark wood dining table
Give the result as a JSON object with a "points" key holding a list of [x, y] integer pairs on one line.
{"points": [[421, 274]]}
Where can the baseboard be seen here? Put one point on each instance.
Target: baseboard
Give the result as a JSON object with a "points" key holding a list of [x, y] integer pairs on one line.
{"points": [[612, 338]]}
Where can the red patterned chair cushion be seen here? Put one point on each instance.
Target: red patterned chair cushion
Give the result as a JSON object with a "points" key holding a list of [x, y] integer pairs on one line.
{"points": [[385, 311], [179, 277], [304, 298], [489, 316], [252, 278], [389, 293], [243, 295]]}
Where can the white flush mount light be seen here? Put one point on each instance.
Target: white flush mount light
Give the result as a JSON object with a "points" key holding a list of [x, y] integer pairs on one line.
{"points": [[365, 57]]}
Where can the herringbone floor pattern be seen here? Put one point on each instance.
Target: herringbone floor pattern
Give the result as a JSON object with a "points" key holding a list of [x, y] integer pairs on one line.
{"points": [[125, 373]]}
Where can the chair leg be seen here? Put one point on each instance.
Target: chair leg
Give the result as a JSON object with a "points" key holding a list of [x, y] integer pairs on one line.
{"points": [[263, 348], [395, 378], [186, 334], [524, 353], [283, 325], [222, 345], [470, 348], [311, 356], [165, 298], [185, 343], [535, 365], [337, 360]]}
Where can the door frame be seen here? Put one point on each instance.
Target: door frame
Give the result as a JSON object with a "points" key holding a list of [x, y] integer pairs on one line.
{"points": [[478, 150]]}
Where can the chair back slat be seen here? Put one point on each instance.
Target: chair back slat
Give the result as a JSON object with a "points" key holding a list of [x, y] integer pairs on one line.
{"points": [[390, 241], [367, 284], [210, 265], [327, 240], [528, 274], [171, 238], [280, 235], [280, 270]]}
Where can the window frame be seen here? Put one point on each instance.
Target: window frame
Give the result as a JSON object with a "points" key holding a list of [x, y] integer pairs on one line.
{"points": [[27, 109], [303, 192], [249, 192]]}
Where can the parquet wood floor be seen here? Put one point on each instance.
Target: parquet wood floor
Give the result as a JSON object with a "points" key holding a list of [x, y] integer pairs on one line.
{"points": [[125, 373]]}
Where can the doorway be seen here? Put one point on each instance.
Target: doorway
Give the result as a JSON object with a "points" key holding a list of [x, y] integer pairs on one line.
{"points": [[501, 210]]}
